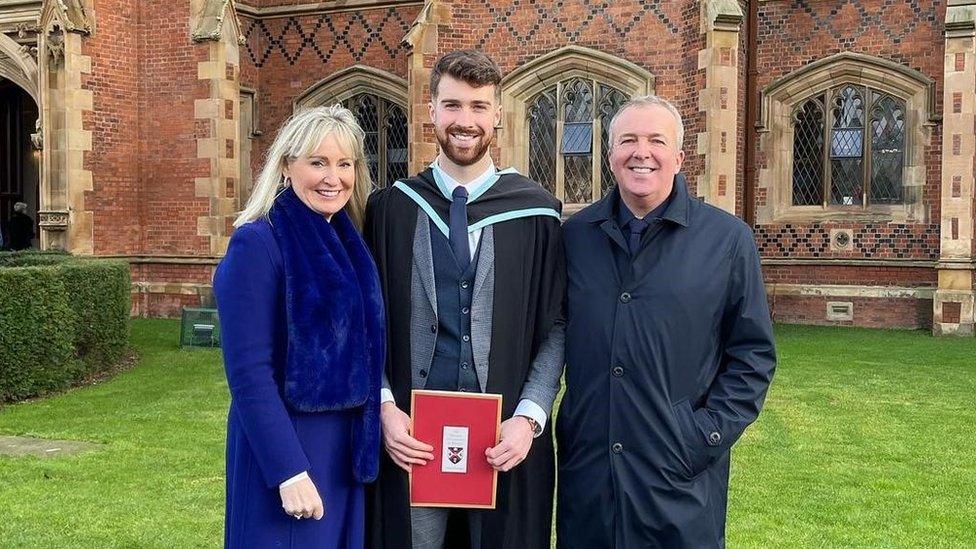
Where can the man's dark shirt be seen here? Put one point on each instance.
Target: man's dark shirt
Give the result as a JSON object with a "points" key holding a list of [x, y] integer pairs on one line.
{"points": [[625, 218]]}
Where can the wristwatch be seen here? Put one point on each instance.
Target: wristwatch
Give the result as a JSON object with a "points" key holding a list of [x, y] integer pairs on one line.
{"points": [[533, 424]]}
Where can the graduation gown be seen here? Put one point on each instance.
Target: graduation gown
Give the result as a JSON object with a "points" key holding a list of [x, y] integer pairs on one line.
{"points": [[530, 283]]}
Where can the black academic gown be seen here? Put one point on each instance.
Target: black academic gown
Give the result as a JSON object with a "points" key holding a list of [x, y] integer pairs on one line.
{"points": [[530, 282]]}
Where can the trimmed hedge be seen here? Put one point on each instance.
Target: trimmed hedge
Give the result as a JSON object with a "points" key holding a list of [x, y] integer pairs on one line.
{"points": [[32, 258], [36, 333], [62, 319]]}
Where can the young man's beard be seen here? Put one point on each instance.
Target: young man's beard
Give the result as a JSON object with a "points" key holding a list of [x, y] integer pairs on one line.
{"points": [[468, 157]]}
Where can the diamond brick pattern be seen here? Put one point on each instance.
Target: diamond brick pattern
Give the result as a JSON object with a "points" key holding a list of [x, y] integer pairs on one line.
{"points": [[847, 21], [548, 17], [323, 36]]}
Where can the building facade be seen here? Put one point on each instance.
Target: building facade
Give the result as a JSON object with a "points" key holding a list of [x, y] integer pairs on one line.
{"points": [[841, 130]]}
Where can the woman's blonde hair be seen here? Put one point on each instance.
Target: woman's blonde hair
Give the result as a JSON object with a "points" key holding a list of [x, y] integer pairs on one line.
{"points": [[300, 136]]}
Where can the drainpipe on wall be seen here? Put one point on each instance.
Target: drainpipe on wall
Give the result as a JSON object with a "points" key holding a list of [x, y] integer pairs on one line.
{"points": [[752, 103]]}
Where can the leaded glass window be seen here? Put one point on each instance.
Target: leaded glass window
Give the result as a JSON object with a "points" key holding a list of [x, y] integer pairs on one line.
{"points": [[385, 125], [808, 148], [610, 101], [567, 138], [849, 148], [542, 140]]}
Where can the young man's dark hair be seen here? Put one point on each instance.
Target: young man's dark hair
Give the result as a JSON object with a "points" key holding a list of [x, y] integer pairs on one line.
{"points": [[472, 67]]}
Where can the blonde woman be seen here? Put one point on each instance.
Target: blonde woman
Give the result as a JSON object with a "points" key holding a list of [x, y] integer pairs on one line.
{"points": [[303, 337]]}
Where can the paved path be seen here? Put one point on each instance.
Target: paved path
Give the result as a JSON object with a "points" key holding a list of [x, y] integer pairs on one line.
{"points": [[42, 447]]}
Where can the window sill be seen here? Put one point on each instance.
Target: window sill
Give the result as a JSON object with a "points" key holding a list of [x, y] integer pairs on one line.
{"points": [[876, 214]]}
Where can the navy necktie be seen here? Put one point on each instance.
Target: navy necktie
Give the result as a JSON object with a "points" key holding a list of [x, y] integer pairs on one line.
{"points": [[637, 226], [459, 227]]}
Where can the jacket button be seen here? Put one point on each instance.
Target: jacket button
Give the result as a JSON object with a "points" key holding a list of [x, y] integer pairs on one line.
{"points": [[465, 310], [464, 365], [625, 297], [714, 438], [617, 371], [433, 328], [464, 284], [617, 448], [466, 338], [423, 373]]}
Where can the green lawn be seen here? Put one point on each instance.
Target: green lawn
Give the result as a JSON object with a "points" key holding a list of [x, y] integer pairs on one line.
{"points": [[159, 480], [866, 441]]}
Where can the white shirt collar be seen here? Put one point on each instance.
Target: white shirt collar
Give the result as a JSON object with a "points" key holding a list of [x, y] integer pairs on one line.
{"points": [[473, 184]]}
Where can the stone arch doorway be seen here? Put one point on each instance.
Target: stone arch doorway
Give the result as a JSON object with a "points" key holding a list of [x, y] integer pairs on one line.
{"points": [[20, 161]]}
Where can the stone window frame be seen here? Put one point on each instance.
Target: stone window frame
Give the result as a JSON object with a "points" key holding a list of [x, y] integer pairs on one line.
{"points": [[347, 83], [245, 185], [780, 98], [544, 72]]}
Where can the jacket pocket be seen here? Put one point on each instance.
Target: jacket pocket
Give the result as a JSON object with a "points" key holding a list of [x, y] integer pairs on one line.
{"points": [[698, 454]]}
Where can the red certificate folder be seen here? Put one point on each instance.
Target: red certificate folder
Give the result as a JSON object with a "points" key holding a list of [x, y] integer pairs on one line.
{"points": [[460, 427]]}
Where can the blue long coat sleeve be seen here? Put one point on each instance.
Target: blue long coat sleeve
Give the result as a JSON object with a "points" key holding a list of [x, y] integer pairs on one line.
{"points": [[249, 293]]}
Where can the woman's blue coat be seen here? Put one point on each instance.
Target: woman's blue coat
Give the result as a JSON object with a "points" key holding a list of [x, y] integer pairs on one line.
{"points": [[267, 441]]}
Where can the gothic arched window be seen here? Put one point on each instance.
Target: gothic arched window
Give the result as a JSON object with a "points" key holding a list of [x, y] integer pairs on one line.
{"points": [[568, 141], [385, 124], [849, 148]]}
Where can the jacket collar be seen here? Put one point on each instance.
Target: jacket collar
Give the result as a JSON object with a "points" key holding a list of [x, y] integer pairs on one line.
{"points": [[678, 211]]}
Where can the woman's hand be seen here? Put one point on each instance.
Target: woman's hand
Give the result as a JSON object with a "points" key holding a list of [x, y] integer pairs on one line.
{"points": [[403, 448], [301, 500]]}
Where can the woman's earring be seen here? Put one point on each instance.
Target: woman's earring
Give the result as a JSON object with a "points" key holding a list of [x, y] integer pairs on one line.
{"points": [[286, 182]]}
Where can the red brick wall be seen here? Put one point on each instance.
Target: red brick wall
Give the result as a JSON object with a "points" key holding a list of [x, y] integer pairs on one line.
{"points": [[170, 304], [868, 312], [250, 74], [169, 272], [114, 159], [908, 277], [162, 305], [144, 158], [168, 86]]}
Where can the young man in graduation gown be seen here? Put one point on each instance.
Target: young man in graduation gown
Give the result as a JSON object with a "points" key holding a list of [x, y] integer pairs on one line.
{"points": [[471, 263]]}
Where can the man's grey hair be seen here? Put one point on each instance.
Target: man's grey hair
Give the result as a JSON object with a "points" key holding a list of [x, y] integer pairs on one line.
{"points": [[647, 101], [20, 207]]}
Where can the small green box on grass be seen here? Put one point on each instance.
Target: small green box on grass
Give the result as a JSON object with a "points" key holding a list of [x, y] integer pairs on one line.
{"points": [[199, 328]]}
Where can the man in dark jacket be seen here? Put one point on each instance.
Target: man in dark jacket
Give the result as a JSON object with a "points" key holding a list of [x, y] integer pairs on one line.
{"points": [[669, 350], [21, 228]]}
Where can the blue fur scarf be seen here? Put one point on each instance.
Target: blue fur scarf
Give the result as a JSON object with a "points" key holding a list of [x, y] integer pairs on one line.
{"points": [[336, 325]]}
